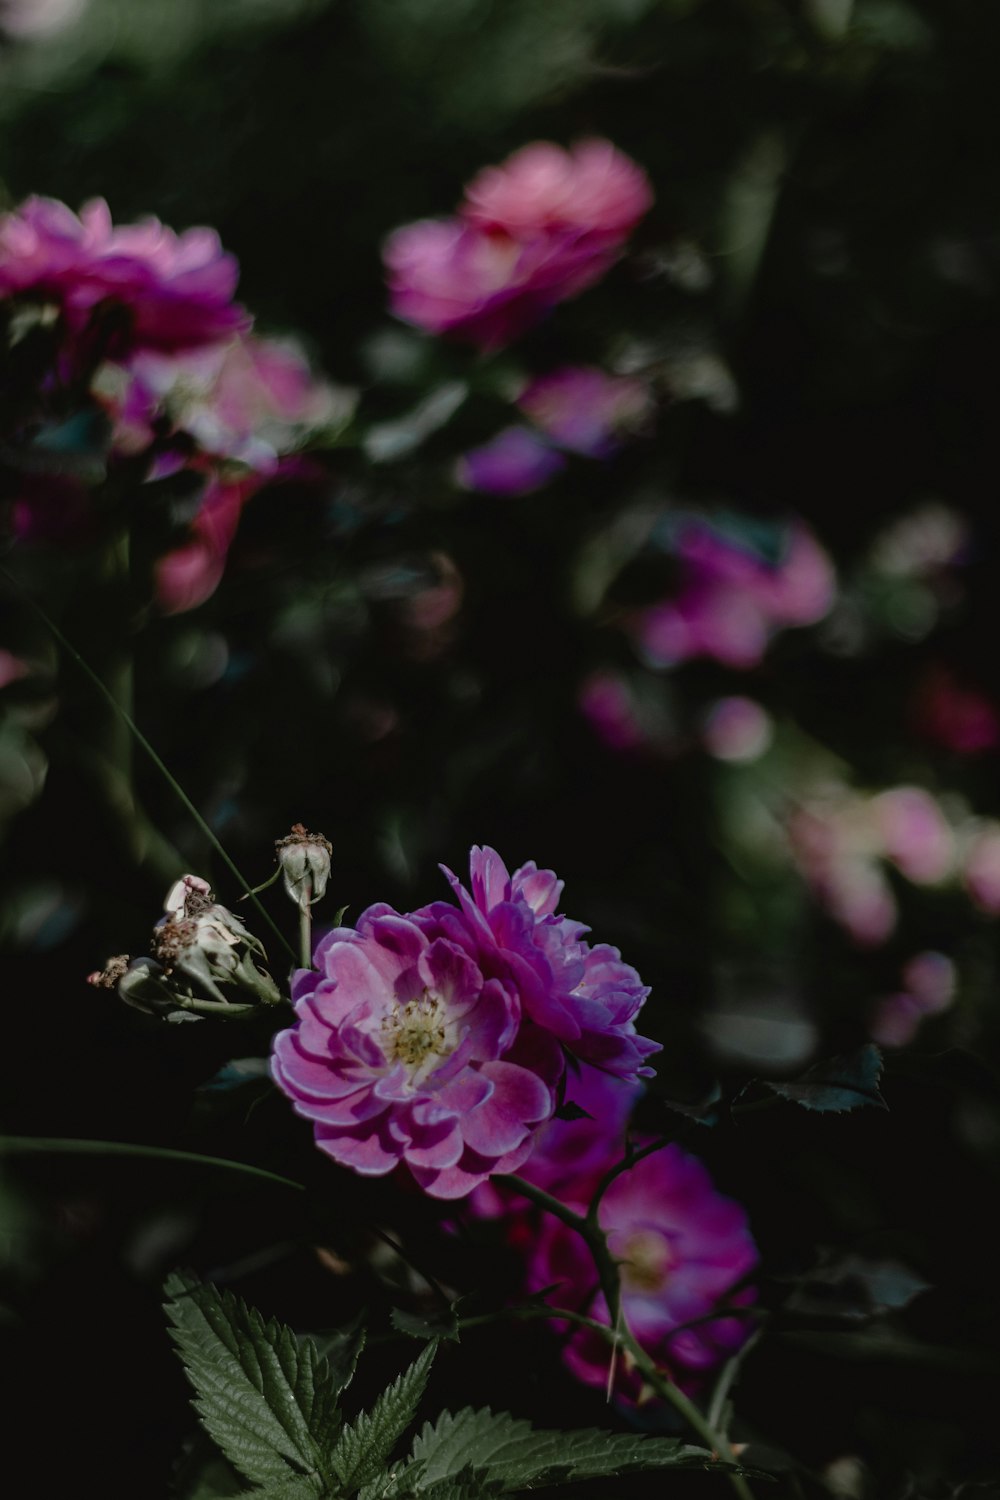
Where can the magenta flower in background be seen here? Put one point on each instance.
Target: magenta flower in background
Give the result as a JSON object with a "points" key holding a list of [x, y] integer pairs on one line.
{"points": [[515, 462], [683, 1249], [914, 833], [738, 729], [585, 410], [955, 716], [401, 1053], [981, 867], [177, 288], [591, 189], [731, 602], [585, 997], [533, 232], [929, 984], [189, 574]]}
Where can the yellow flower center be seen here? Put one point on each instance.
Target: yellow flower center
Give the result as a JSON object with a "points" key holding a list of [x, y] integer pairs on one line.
{"points": [[415, 1032], [646, 1261]]}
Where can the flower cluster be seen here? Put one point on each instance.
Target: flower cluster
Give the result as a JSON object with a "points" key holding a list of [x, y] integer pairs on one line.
{"points": [[731, 600], [929, 983], [146, 334], [439, 1038], [578, 409], [538, 229]]}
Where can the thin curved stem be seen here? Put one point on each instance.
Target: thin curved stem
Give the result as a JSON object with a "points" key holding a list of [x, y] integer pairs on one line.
{"points": [[617, 1332], [36, 1145]]}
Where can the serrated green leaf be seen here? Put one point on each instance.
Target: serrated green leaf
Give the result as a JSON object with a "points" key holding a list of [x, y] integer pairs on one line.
{"points": [[510, 1452], [341, 1350], [439, 1325], [468, 1484], [848, 1081], [364, 1446], [266, 1399]]}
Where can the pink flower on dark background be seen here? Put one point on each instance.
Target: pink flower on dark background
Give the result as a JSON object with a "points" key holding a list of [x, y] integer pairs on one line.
{"points": [[586, 411], [533, 232], [584, 996], [177, 289], [683, 1251], [515, 462], [400, 1054], [731, 601]]}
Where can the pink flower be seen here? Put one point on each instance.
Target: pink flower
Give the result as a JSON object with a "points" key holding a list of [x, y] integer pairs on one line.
{"points": [[981, 868], [191, 573], [515, 462], [683, 1249], [401, 1053], [956, 717], [531, 233], [737, 729], [590, 189], [585, 997], [585, 410], [249, 399], [929, 981], [915, 834], [177, 289], [731, 601]]}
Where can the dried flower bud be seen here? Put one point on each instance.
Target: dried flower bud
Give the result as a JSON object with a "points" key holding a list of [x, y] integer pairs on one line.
{"points": [[305, 864], [207, 944], [108, 977]]}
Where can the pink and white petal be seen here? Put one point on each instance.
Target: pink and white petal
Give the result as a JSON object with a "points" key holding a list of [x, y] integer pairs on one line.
{"points": [[519, 1102]]}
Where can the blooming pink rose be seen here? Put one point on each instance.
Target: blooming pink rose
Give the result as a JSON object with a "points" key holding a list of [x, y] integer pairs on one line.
{"points": [[402, 1053]]}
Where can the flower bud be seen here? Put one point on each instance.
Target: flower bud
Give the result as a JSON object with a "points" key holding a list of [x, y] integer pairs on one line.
{"points": [[305, 864], [207, 944]]}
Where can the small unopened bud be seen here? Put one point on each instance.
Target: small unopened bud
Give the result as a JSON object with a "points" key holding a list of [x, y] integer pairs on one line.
{"points": [[305, 864]]}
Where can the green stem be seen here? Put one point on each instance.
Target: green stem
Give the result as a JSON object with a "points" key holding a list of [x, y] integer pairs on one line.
{"points": [[617, 1332], [34, 1145], [142, 741], [305, 925]]}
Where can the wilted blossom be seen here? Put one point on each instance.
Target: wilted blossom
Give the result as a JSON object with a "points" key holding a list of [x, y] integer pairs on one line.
{"points": [[683, 1250], [402, 1054], [731, 600], [540, 228], [177, 289], [586, 997], [928, 987], [207, 945], [515, 462], [586, 411]]}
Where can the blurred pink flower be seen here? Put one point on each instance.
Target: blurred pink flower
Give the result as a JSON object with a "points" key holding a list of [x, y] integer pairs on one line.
{"points": [[590, 189], [191, 573], [585, 410], [177, 289], [515, 462], [981, 868], [929, 981], [915, 834], [38, 18], [683, 1249], [956, 717], [249, 399], [12, 668], [737, 729], [533, 232], [605, 702], [730, 601]]}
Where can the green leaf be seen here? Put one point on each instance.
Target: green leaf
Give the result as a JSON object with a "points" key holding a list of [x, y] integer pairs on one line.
{"points": [[364, 1446], [468, 1484], [341, 1350], [266, 1399], [439, 1325], [848, 1081], [511, 1452]]}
